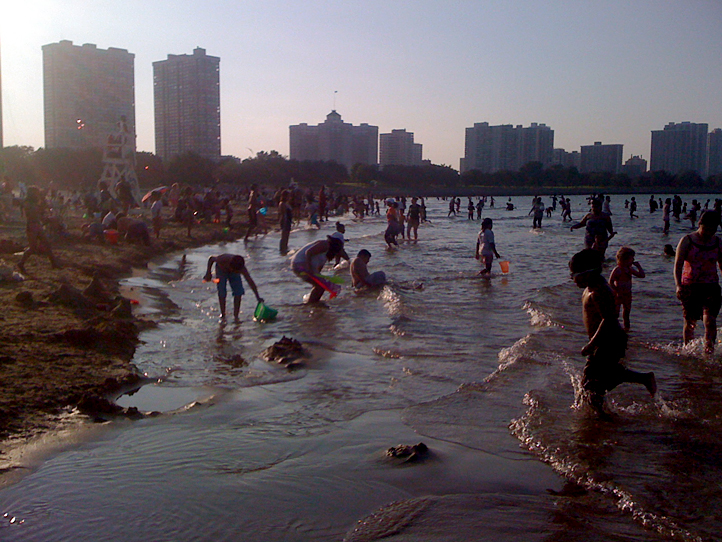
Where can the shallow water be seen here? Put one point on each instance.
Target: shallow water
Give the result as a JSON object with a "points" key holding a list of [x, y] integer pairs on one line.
{"points": [[485, 372]]}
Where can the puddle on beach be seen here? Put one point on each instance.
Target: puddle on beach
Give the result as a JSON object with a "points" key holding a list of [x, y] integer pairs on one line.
{"points": [[159, 398]]}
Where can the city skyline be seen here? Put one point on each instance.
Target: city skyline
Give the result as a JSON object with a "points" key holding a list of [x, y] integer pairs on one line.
{"points": [[594, 71]]}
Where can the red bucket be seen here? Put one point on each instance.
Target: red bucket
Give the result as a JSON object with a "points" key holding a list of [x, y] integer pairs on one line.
{"points": [[111, 236]]}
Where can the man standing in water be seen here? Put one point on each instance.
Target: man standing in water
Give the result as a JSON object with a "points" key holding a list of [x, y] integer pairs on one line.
{"points": [[229, 268], [607, 341]]}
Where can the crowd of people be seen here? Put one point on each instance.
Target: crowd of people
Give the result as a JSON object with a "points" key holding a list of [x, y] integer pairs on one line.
{"points": [[698, 254]]}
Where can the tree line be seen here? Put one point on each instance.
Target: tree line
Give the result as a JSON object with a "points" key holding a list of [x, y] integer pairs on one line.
{"points": [[80, 169]]}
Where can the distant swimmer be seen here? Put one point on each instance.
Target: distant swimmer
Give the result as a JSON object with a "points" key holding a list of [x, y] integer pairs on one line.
{"points": [[308, 262], [230, 268], [607, 341], [486, 246], [360, 275]]}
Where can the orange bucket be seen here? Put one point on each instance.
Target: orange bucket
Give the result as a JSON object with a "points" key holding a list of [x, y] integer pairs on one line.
{"points": [[111, 236], [504, 267]]}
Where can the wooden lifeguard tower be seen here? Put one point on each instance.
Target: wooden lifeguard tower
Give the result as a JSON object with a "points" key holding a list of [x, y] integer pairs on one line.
{"points": [[119, 160]]}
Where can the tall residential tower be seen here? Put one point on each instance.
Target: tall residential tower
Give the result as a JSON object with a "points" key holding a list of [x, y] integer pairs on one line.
{"points": [[506, 147], [87, 90], [680, 147], [187, 99], [398, 149]]}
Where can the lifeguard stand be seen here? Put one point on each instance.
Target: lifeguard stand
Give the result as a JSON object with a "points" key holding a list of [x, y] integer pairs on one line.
{"points": [[119, 160]]}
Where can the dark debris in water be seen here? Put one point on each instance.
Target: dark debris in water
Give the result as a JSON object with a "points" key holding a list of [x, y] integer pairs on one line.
{"points": [[287, 351], [409, 453]]}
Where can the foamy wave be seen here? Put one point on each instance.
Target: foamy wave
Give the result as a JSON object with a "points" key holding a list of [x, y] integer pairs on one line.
{"points": [[693, 349], [539, 318], [573, 469], [392, 301]]}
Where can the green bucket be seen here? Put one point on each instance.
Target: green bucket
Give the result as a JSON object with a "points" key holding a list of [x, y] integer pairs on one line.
{"points": [[264, 313]]}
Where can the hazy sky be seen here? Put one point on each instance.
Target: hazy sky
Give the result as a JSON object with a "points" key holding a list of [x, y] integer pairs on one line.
{"points": [[603, 70]]}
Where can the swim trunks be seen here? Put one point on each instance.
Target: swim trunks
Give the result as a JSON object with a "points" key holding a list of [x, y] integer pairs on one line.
{"points": [[696, 298]]}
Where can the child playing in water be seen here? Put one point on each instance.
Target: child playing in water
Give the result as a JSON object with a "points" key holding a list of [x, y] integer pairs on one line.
{"points": [[485, 246], [607, 341], [230, 268], [621, 281]]}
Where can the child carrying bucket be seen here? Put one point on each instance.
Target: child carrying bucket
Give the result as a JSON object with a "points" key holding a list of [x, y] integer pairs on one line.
{"points": [[486, 247]]}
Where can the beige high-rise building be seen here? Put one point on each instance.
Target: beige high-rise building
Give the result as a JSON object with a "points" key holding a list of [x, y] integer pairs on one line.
{"points": [[506, 147], [680, 147], [87, 91], [398, 149], [187, 99], [600, 157], [335, 140]]}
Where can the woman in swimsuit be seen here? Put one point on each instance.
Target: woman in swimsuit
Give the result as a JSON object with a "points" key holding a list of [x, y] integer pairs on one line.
{"points": [[695, 275]]}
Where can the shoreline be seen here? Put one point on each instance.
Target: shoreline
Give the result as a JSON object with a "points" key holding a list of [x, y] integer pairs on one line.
{"points": [[69, 335]]}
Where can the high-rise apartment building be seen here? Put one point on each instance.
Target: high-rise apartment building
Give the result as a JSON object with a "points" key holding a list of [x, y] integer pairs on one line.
{"points": [[714, 159], [600, 158], [506, 147], [680, 147], [87, 90], [398, 149], [335, 140], [187, 100]]}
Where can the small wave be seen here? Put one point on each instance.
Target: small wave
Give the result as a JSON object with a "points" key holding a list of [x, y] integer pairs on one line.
{"points": [[392, 301], [390, 354]]}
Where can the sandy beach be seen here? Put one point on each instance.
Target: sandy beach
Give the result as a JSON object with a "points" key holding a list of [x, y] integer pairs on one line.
{"points": [[67, 336]]}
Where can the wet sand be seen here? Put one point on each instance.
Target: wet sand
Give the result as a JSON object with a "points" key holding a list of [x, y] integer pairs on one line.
{"points": [[67, 336]]}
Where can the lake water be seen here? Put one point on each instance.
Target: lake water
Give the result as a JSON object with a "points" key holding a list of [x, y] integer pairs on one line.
{"points": [[484, 372]]}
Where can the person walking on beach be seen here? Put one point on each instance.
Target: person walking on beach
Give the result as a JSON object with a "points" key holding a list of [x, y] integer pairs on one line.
{"points": [[666, 211], [695, 275], [620, 281], [252, 209], [394, 226], [36, 217], [633, 208], [285, 219], [486, 246], [308, 262], [607, 341], [230, 268], [538, 209], [156, 213], [599, 229], [413, 219]]}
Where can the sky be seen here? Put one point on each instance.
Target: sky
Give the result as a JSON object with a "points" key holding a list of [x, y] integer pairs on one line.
{"points": [[602, 70]]}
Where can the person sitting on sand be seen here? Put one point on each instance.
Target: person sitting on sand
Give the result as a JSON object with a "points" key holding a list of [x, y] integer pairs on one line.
{"points": [[230, 268], [607, 340], [133, 230], [360, 275]]}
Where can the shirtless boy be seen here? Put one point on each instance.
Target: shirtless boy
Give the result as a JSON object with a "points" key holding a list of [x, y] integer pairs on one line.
{"points": [[607, 341], [230, 268], [360, 275]]}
